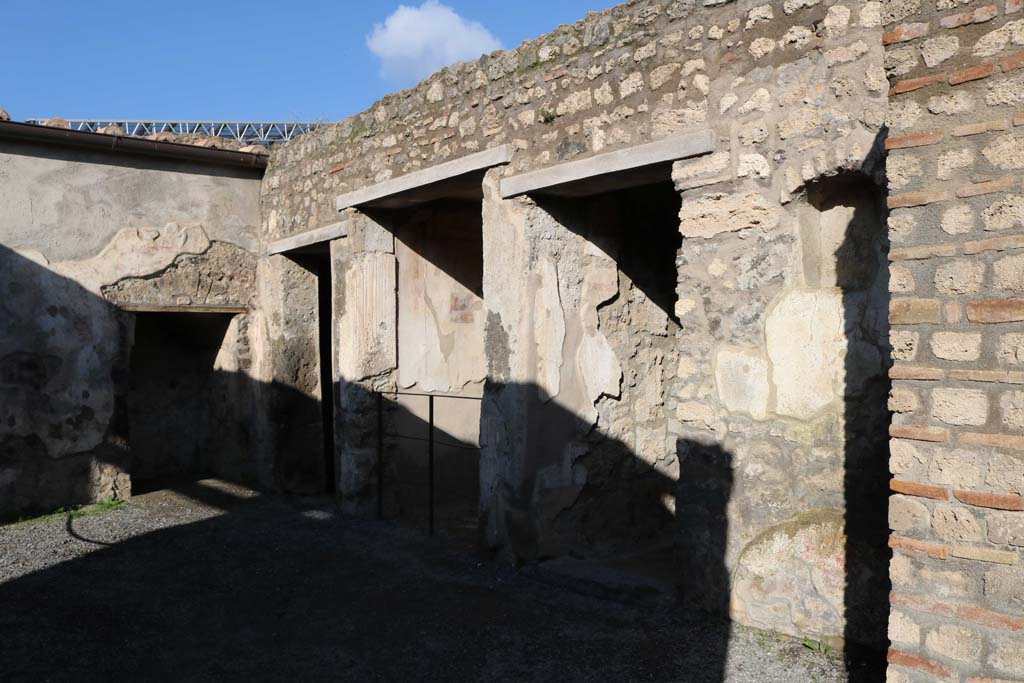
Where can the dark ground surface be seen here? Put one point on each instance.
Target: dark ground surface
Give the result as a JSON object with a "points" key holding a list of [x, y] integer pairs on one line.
{"points": [[216, 583]]}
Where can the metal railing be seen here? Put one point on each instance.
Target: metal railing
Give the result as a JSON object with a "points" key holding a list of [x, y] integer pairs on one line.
{"points": [[251, 132], [430, 441]]}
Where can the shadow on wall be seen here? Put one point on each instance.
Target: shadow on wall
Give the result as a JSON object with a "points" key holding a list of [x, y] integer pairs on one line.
{"points": [[63, 377], [638, 227], [862, 276], [92, 397], [66, 438]]}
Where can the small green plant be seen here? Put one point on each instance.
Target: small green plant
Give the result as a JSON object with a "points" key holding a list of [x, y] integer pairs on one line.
{"points": [[817, 646], [109, 504], [547, 116]]}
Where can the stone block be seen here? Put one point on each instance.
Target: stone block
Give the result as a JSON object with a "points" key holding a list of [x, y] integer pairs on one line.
{"points": [[1005, 584], [1009, 273], [955, 642], [1006, 654], [1006, 528], [956, 346], [903, 400], [904, 456], [1006, 151], [712, 214], [907, 514], [957, 220], [962, 276], [903, 629], [1004, 213], [901, 280], [904, 344], [969, 552], [1006, 472], [937, 50], [1011, 348], [958, 467], [956, 524], [960, 406]]}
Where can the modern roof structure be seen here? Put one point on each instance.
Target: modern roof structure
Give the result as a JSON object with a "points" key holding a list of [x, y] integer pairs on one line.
{"points": [[265, 133]]}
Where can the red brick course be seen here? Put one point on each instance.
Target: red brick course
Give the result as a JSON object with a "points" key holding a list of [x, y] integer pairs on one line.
{"points": [[918, 433], [911, 488], [997, 501], [905, 32], [898, 201], [972, 73], [992, 440], [1012, 62], [915, 140], [996, 311], [983, 127], [987, 187], [923, 252], [919, 663], [980, 15], [977, 615], [939, 551], [916, 372], [911, 84], [994, 244]]}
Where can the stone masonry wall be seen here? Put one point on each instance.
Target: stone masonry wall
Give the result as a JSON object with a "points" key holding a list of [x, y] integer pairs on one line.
{"points": [[757, 413], [956, 149]]}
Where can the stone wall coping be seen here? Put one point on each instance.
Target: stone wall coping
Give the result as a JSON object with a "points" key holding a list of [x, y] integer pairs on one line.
{"points": [[669, 149], [495, 156], [310, 237]]}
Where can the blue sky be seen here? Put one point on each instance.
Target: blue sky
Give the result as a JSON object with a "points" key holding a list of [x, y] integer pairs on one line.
{"points": [[251, 60]]}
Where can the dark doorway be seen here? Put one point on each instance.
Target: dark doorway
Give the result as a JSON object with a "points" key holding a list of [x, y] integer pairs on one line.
{"points": [[317, 260], [170, 397]]}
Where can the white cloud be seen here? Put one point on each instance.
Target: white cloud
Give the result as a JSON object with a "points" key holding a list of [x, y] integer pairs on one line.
{"points": [[414, 42]]}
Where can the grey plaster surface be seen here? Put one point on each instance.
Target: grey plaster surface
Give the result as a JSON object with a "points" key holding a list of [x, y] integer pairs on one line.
{"points": [[69, 203]]}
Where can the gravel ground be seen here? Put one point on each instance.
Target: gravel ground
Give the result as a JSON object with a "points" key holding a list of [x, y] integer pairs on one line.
{"points": [[217, 583]]}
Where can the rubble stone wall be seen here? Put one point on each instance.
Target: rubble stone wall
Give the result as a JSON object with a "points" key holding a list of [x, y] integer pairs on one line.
{"points": [[956, 149], [744, 421]]}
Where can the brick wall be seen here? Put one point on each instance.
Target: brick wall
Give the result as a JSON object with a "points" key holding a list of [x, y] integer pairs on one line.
{"points": [[956, 150]]}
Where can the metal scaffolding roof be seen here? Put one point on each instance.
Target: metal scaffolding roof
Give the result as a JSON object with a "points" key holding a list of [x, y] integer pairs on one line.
{"points": [[250, 132]]}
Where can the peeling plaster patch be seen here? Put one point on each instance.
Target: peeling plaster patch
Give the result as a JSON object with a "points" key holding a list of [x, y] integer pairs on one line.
{"points": [[741, 376], [136, 252], [549, 329], [806, 344], [368, 319]]}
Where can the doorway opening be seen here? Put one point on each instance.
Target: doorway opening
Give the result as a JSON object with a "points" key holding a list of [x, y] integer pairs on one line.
{"points": [[441, 364], [317, 261], [622, 515], [172, 398]]}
